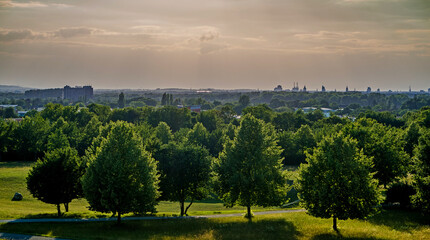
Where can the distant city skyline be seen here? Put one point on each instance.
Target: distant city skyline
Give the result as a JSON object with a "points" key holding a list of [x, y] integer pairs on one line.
{"points": [[223, 44]]}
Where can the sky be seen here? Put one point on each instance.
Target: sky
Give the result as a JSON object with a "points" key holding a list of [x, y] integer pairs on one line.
{"points": [[223, 44]]}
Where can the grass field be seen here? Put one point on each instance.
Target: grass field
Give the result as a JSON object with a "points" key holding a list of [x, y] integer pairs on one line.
{"points": [[12, 179], [387, 225]]}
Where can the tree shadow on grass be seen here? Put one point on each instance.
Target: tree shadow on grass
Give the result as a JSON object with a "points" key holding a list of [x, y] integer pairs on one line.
{"points": [[328, 236], [65, 215], [158, 229], [401, 220]]}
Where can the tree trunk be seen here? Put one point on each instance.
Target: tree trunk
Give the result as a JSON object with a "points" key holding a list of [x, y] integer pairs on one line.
{"points": [[335, 223], [182, 208], [66, 206], [186, 209], [59, 210], [118, 218], [249, 212]]}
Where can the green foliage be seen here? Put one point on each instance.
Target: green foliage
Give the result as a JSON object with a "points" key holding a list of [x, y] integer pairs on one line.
{"points": [[244, 100], [296, 144], [249, 171], [101, 111], [176, 118], [198, 135], [163, 133], [411, 136], [122, 176], [166, 99], [422, 173], [9, 113], [57, 139], [337, 183], [210, 119], [7, 129], [121, 100], [30, 137], [261, 111], [56, 178], [385, 146], [185, 173], [128, 114]]}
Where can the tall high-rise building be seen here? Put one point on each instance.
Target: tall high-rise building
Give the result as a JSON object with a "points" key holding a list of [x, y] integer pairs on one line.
{"points": [[322, 88], [78, 93]]}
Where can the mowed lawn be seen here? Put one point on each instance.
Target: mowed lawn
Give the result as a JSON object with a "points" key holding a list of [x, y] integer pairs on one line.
{"points": [[393, 224], [12, 179], [387, 225]]}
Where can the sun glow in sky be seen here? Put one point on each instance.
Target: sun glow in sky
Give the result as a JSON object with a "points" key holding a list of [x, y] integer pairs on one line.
{"points": [[216, 43]]}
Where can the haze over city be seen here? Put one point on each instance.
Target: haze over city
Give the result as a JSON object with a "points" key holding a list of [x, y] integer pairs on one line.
{"points": [[253, 44]]}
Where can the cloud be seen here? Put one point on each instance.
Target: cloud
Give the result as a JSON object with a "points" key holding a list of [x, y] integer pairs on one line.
{"points": [[14, 35], [325, 35], [31, 4], [209, 36], [75, 32], [8, 35], [8, 3]]}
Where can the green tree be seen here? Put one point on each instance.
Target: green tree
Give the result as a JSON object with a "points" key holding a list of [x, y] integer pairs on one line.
{"points": [[10, 113], [176, 118], [163, 133], [337, 183], [56, 178], [121, 100], [261, 111], [198, 135], [249, 171], [57, 139], [385, 146], [210, 119], [422, 174], [411, 136], [6, 137], [185, 173], [121, 176], [30, 137], [244, 100]]}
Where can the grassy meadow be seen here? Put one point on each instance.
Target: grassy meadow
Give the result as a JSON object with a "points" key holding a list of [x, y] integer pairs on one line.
{"points": [[393, 224], [387, 225], [12, 179]]}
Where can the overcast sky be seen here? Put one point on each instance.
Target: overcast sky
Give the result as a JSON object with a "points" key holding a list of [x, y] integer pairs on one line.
{"points": [[255, 44]]}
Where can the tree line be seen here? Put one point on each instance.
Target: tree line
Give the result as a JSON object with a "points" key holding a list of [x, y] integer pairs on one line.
{"points": [[169, 153]]}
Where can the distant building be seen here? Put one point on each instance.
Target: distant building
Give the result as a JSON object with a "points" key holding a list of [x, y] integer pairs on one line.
{"points": [[322, 88], [4, 106], [378, 90], [195, 108], [326, 111], [44, 93], [369, 90], [278, 88], [75, 94], [346, 89], [295, 87], [21, 114], [428, 90], [304, 88], [78, 93]]}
